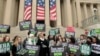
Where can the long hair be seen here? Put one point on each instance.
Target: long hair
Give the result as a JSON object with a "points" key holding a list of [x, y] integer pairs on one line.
{"points": [[4, 39], [97, 40], [72, 40], [16, 37]]}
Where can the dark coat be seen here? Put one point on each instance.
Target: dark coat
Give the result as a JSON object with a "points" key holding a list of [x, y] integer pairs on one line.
{"points": [[43, 50]]}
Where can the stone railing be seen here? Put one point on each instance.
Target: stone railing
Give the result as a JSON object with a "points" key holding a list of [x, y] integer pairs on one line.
{"points": [[95, 19]]}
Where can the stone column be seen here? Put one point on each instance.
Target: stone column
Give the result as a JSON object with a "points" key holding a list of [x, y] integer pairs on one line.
{"points": [[92, 9], [85, 10], [47, 19], [21, 11], [8, 10], [79, 16], [64, 14], [98, 10], [69, 13], [1, 11], [34, 3], [58, 13], [74, 14]]}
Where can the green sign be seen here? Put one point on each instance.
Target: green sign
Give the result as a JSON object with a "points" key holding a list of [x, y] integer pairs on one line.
{"points": [[22, 52], [25, 25], [97, 31], [73, 48], [33, 50], [57, 31], [4, 47], [85, 49], [40, 27], [57, 51], [52, 32], [4, 29], [57, 54], [32, 31]]}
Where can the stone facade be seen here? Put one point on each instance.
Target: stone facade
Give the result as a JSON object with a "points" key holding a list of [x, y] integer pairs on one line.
{"points": [[69, 13]]}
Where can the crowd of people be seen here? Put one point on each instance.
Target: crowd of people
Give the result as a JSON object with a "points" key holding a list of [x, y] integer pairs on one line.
{"points": [[46, 42]]}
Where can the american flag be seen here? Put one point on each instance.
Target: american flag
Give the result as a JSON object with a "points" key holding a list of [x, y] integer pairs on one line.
{"points": [[28, 10], [53, 10], [40, 9]]}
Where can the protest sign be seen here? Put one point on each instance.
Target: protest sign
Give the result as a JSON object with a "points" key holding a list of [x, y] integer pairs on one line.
{"points": [[73, 48], [52, 32], [4, 29], [57, 51], [96, 48], [33, 50], [40, 27], [68, 34], [5, 47], [25, 25], [85, 49], [22, 52], [64, 44], [32, 31], [57, 30]]}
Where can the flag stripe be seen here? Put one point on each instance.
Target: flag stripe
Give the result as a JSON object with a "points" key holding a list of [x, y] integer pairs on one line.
{"points": [[53, 13], [40, 10], [28, 10]]}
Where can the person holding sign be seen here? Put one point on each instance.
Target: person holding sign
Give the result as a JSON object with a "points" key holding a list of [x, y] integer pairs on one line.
{"points": [[73, 48], [8, 45], [44, 44], [86, 47], [51, 41], [15, 46], [95, 46], [30, 40]]}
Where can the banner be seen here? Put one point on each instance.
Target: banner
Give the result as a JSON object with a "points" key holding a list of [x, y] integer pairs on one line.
{"points": [[73, 48], [40, 10], [5, 47], [40, 27], [53, 13], [85, 49], [4, 29], [33, 50], [96, 48], [57, 51], [28, 10], [25, 25]]}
